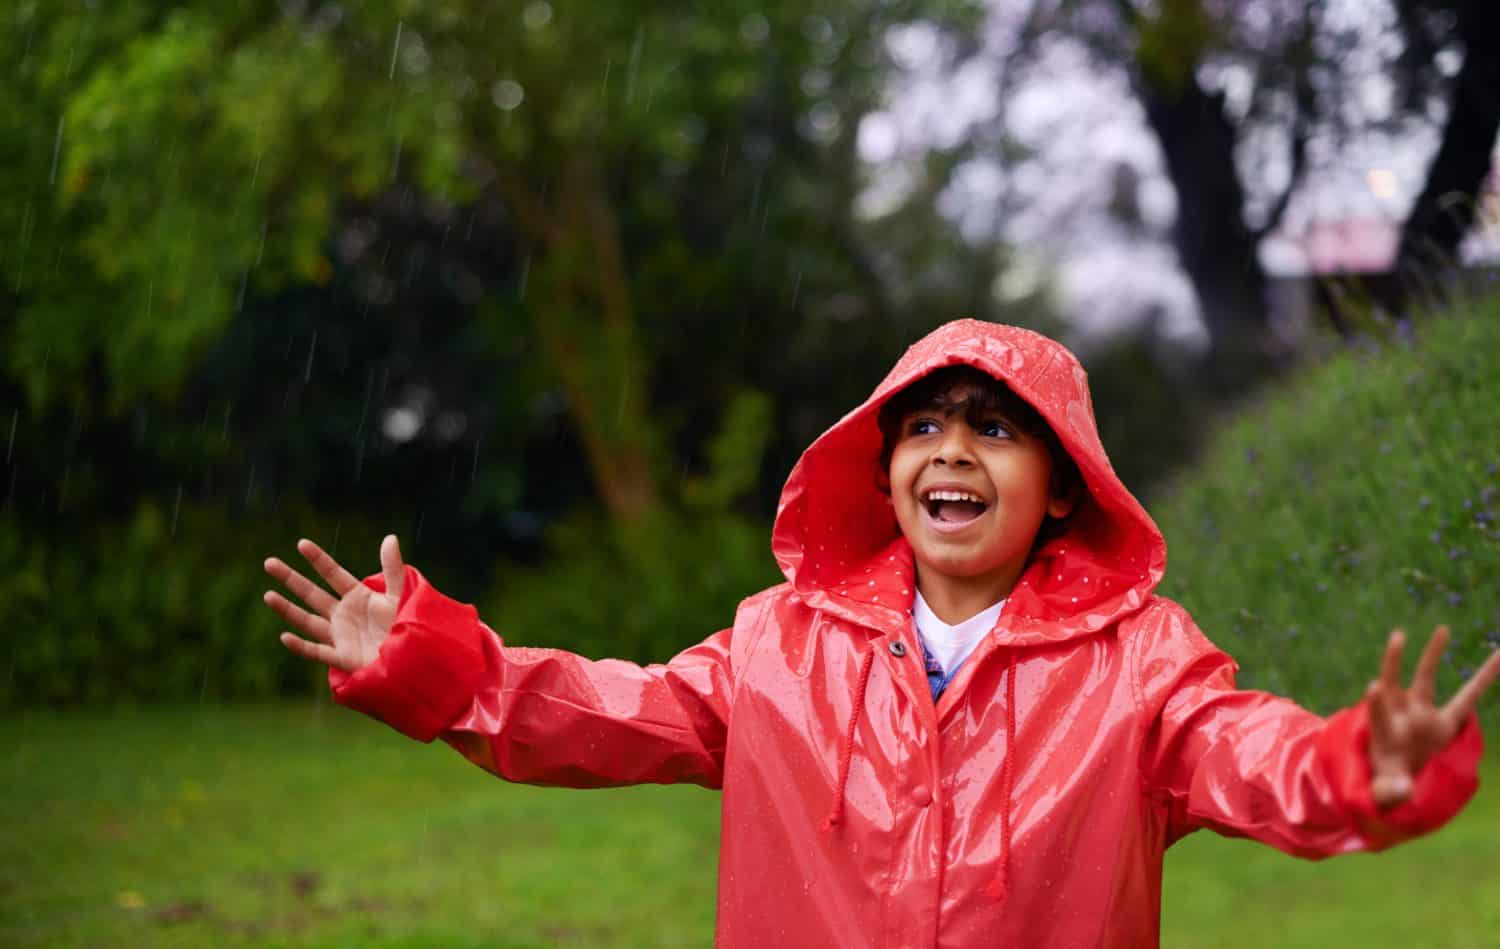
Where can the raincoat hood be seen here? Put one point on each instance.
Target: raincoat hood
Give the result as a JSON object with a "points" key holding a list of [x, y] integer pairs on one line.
{"points": [[835, 526]]}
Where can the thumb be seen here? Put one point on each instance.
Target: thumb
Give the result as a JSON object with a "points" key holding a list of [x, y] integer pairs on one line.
{"points": [[392, 567], [1391, 788]]}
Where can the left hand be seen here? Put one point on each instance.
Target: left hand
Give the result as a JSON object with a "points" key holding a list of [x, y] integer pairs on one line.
{"points": [[1406, 729]]}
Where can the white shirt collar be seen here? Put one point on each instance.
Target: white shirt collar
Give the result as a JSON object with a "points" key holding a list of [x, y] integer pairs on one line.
{"points": [[950, 645]]}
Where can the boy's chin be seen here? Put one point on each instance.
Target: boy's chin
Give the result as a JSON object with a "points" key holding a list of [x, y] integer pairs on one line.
{"points": [[957, 566]]}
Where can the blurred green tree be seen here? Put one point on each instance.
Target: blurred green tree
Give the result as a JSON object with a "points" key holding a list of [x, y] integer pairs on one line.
{"points": [[457, 270]]}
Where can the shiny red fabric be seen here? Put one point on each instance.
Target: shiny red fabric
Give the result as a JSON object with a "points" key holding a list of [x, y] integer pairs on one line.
{"points": [[1030, 807]]}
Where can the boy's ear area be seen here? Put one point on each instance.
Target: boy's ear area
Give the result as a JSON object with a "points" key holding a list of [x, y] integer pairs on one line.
{"points": [[1064, 497]]}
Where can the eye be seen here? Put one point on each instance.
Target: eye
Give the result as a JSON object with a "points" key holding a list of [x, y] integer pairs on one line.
{"points": [[921, 426], [995, 428]]}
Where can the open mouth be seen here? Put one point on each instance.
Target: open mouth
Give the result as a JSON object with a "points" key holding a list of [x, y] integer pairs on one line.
{"points": [[953, 508]]}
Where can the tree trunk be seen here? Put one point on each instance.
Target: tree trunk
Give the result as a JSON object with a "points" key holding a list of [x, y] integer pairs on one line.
{"points": [[586, 324], [1446, 208], [1214, 245]]}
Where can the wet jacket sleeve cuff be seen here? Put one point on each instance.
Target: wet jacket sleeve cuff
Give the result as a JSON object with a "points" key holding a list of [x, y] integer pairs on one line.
{"points": [[429, 667], [1442, 787]]}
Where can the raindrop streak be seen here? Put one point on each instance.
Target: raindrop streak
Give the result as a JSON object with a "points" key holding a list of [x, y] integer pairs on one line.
{"points": [[396, 49], [307, 373], [27, 222], [176, 507], [525, 273], [10, 445], [474, 467], [635, 66], [57, 149], [396, 156]]}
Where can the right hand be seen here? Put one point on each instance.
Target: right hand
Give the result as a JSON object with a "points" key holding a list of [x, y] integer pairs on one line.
{"points": [[343, 631]]}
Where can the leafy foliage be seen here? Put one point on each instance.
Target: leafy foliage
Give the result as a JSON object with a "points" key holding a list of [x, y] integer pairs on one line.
{"points": [[647, 588], [458, 270], [128, 611], [1362, 497]]}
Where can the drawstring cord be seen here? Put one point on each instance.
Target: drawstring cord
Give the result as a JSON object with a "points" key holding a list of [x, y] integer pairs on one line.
{"points": [[836, 815]]}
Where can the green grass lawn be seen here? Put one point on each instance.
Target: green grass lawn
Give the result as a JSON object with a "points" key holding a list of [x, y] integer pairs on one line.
{"points": [[302, 824]]}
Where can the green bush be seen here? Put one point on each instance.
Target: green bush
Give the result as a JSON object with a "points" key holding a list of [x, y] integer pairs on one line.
{"points": [[165, 605], [645, 589], [639, 592], [1357, 497]]}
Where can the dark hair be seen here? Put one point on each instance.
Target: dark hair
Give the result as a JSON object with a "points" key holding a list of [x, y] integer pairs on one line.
{"points": [[976, 394]]}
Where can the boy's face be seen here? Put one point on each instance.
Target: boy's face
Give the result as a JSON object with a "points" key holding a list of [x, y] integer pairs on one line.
{"points": [[970, 494]]}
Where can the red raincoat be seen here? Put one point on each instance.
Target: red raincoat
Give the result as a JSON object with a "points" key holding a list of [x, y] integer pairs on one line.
{"points": [[1031, 807]]}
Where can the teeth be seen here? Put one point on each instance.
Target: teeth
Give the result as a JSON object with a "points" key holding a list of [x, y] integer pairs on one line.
{"points": [[954, 496]]}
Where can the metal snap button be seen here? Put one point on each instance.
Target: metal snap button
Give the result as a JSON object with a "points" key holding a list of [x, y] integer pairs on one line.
{"points": [[898, 649]]}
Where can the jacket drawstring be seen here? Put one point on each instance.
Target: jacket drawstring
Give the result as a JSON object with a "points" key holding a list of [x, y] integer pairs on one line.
{"points": [[846, 749], [999, 887]]}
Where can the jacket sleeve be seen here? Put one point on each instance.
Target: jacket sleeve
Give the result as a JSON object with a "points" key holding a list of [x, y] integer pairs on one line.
{"points": [[543, 716], [1251, 764]]}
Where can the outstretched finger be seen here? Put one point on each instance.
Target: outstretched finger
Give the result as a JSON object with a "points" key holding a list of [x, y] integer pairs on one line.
{"points": [[1390, 665], [315, 626], [329, 569], [1381, 729], [1425, 683], [317, 652], [391, 567], [1467, 698], [307, 591]]}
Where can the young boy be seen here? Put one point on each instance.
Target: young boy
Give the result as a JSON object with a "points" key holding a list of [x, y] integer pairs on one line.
{"points": [[964, 720]]}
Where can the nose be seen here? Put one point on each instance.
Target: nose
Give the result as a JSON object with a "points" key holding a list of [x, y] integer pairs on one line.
{"points": [[956, 449]]}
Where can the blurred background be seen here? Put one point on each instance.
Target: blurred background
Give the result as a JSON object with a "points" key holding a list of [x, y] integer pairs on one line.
{"points": [[558, 292]]}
